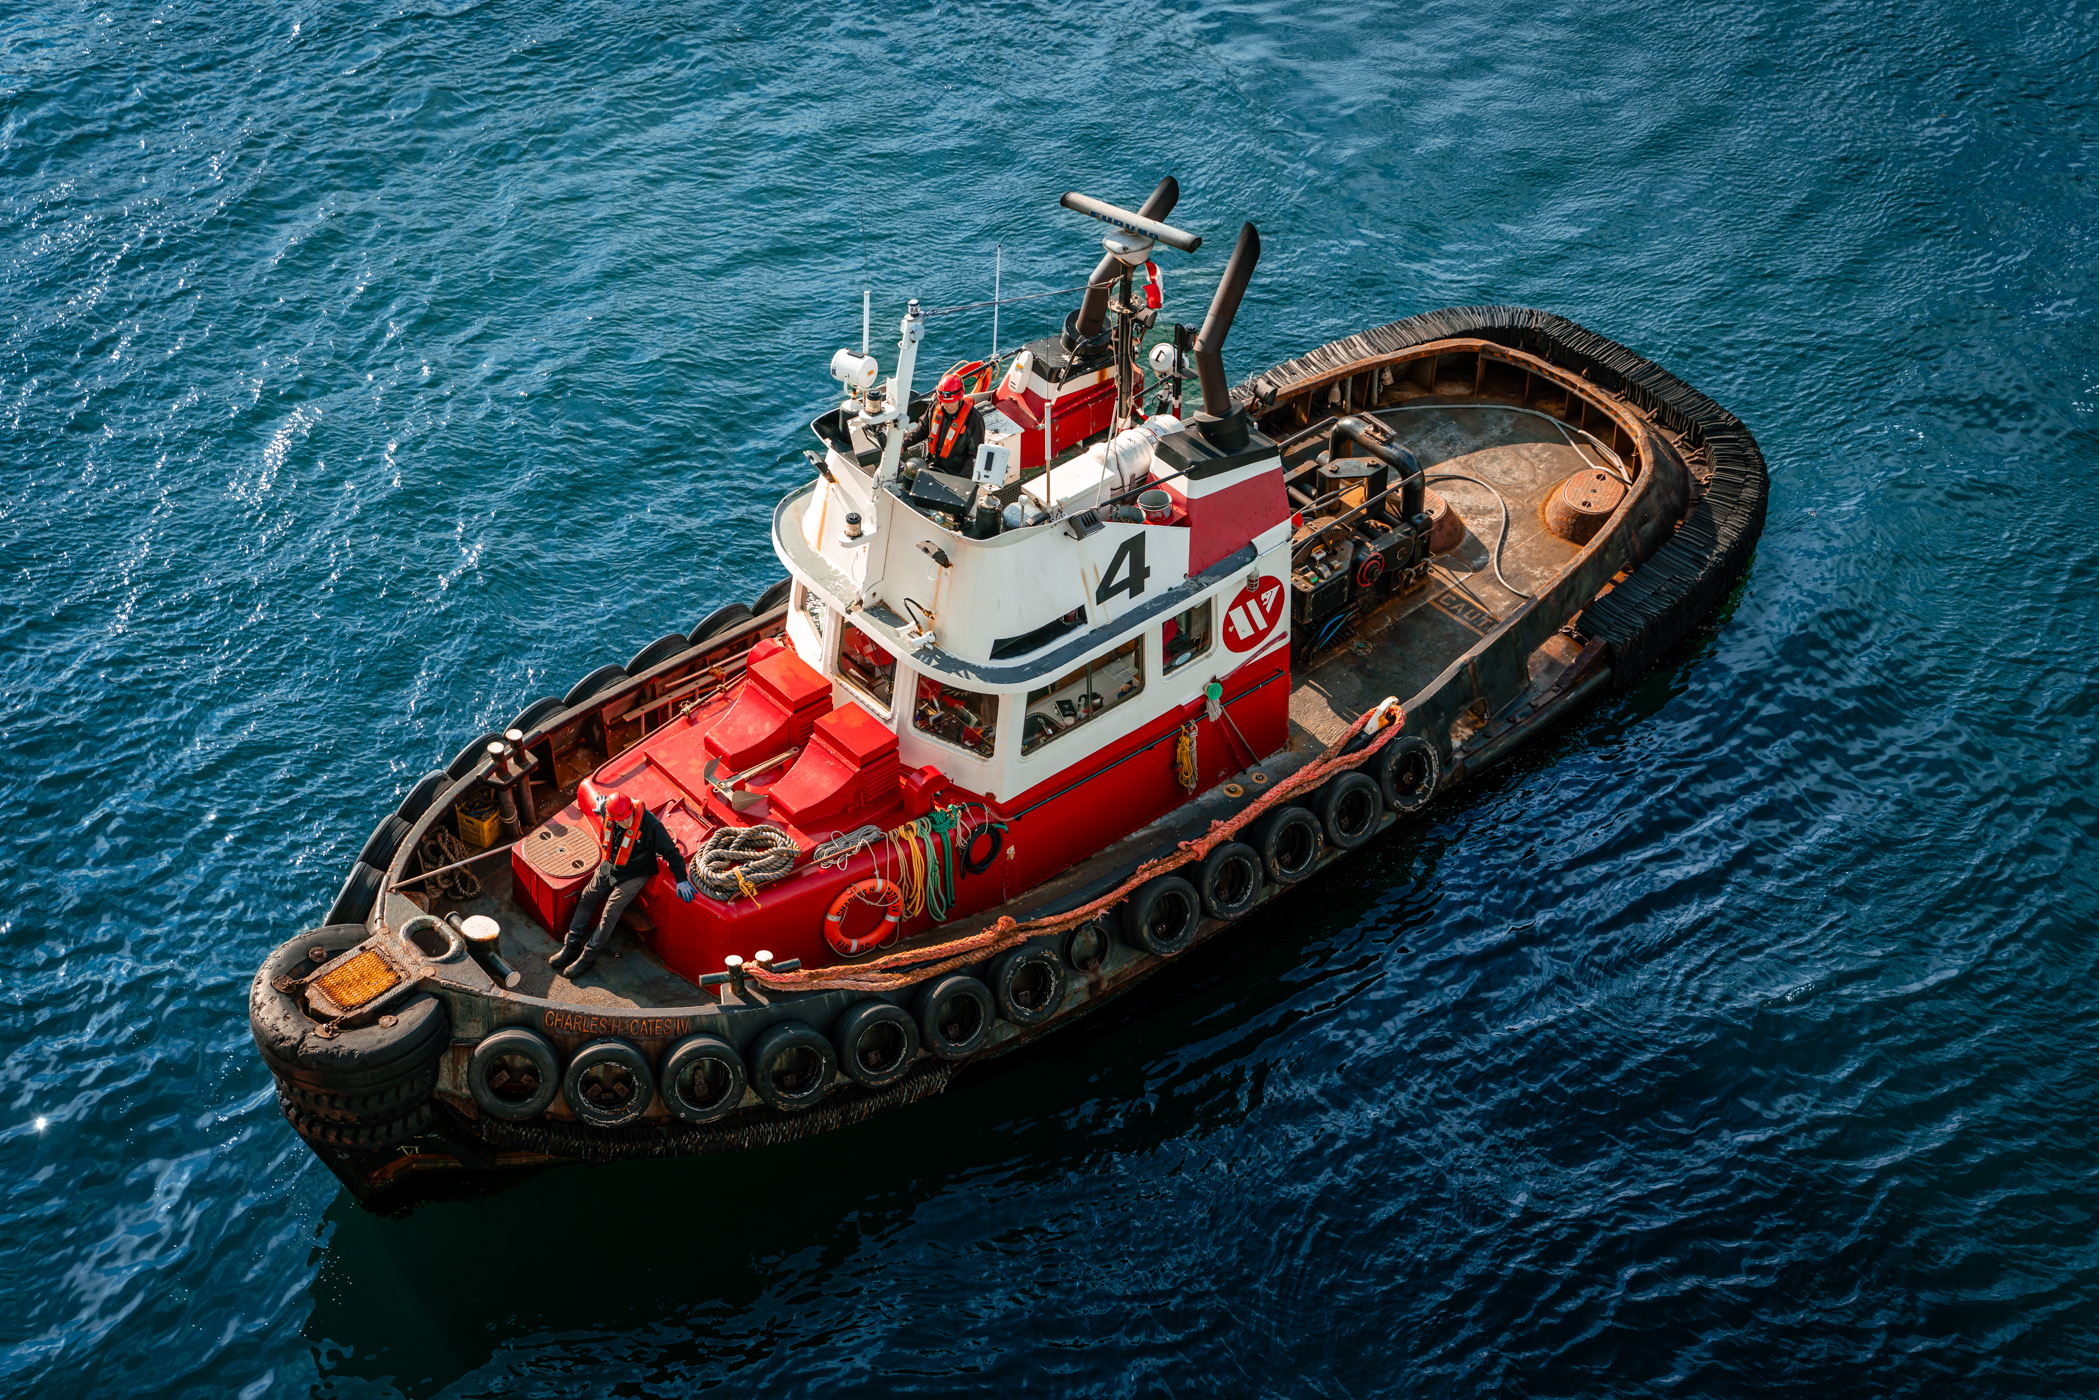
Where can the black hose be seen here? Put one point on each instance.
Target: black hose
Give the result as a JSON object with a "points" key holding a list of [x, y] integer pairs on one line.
{"points": [[1495, 558]]}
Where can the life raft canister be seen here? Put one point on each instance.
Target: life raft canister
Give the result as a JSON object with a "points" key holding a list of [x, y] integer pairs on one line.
{"points": [[876, 891]]}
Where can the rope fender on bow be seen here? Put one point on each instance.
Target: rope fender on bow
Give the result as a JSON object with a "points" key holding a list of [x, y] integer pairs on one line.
{"points": [[908, 966]]}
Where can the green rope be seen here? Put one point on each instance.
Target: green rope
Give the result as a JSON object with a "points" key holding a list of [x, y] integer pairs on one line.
{"points": [[940, 827]]}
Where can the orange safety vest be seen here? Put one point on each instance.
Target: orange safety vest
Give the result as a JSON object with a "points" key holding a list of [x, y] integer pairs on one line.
{"points": [[946, 441], [628, 835]]}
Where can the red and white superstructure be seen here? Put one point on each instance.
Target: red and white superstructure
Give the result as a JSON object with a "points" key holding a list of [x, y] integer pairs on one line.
{"points": [[1064, 654]]}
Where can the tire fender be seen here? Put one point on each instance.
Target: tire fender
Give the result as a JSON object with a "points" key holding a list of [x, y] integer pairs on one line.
{"points": [[358, 1137], [1287, 840], [1084, 947], [954, 1016], [877, 1043], [602, 679], [469, 758], [720, 620], [365, 1060], [360, 891], [1408, 771], [657, 652], [1028, 984], [608, 1083], [1162, 916], [381, 1106], [702, 1079], [1229, 880], [513, 1074], [545, 707], [385, 839], [772, 597], [792, 1066], [422, 795], [1349, 807]]}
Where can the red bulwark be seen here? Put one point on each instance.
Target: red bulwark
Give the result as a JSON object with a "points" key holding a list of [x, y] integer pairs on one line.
{"points": [[850, 766], [775, 709]]}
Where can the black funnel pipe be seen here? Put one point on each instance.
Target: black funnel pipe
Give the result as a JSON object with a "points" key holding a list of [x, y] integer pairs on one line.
{"points": [[1093, 311], [1209, 341], [1355, 433]]}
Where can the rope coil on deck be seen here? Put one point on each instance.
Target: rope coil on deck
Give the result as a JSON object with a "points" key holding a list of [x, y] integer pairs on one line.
{"points": [[903, 969], [441, 848], [741, 860]]}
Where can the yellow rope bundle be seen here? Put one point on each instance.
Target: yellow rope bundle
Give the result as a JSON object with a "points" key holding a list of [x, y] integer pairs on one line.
{"points": [[1184, 757]]}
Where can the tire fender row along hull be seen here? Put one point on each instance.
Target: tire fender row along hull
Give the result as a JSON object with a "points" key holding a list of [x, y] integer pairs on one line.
{"points": [[367, 1089]]}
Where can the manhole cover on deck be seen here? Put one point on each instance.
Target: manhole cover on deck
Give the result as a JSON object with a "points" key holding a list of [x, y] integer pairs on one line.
{"points": [[561, 852]]}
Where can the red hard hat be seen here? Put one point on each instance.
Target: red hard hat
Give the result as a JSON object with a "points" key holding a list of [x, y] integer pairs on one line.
{"points": [[950, 388], [620, 808]]}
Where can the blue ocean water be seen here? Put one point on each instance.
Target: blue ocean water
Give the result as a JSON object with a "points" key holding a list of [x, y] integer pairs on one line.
{"points": [[367, 371]]}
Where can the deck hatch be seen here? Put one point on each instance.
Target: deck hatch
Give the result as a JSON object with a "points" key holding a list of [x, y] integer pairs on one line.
{"points": [[357, 981]]}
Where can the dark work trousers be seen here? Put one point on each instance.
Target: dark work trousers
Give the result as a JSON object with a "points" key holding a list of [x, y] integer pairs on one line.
{"points": [[621, 894]]}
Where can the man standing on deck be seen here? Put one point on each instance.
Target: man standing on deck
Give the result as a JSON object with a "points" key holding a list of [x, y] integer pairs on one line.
{"points": [[629, 844], [952, 432]]}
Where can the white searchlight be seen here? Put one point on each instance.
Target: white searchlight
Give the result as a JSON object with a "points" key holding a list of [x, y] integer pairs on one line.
{"points": [[854, 370]]}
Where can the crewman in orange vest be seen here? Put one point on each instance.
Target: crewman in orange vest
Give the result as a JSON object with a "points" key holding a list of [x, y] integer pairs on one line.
{"points": [[952, 432], [629, 844]]}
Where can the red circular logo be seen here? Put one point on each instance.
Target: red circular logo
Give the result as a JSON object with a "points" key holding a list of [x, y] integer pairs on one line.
{"points": [[1254, 613]]}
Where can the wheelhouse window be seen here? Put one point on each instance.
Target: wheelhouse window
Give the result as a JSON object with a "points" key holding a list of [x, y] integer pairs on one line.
{"points": [[956, 716], [866, 667], [1184, 637], [1093, 689]]}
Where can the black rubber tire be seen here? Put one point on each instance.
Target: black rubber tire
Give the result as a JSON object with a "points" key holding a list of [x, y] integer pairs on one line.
{"points": [[720, 620], [955, 1016], [657, 652], [1287, 840], [1084, 947], [1229, 880], [1162, 916], [360, 891], [545, 707], [359, 1137], [773, 597], [385, 839], [683, 1063], [877, 1043], [422, 795], [596, 683], [600, 1064], [1407, 771], [470, 757], [509, 1043], [367, 1060], [792, 1066], [380, 1107], [1349, 807], [1028, 984]]}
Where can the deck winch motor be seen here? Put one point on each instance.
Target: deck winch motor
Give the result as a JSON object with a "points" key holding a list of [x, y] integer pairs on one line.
{"points": [[1365, 529]]}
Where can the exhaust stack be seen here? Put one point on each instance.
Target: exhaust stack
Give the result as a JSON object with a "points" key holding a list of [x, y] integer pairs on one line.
{"points": [[1091, 319], [1218, 423]]}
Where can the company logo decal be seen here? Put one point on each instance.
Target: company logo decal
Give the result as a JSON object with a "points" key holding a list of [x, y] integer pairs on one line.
{"points": [[1253, 614]]}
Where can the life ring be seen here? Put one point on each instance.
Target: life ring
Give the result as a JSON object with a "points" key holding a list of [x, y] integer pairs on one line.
{"points": [[876, 891]]}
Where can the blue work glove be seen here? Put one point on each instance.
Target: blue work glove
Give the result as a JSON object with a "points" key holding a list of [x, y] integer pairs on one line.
{"points": [[685, 890]]}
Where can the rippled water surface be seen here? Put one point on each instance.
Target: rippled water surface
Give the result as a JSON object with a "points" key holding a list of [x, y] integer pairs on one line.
{"points": [[367, 371]]}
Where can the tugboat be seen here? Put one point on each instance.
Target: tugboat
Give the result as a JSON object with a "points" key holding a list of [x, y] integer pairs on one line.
{"points": [[1003, 743]]}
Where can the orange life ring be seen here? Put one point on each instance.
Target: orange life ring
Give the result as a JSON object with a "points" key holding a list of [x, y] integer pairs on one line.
{"points": [[876, 891]]}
